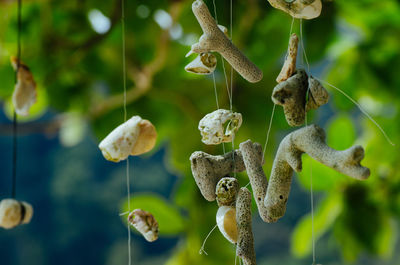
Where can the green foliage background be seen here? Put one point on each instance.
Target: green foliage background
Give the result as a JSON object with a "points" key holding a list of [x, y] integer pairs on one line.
{"points": [[353, 45]]}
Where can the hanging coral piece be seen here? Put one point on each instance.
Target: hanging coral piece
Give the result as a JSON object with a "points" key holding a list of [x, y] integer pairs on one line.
{"points": [[292, 95], [204, 64], [145, 223], [207, 170], [134, 137], [215, 40], [245, 243], [289, 67], [212, 126], [24, 95], [302, 9], [310, 140], [14, 213]]}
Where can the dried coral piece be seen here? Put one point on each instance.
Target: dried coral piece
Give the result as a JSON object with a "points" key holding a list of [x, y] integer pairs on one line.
{"points": [[291, 94], [226, 221], [289, 67], [245, 243], [204, 64], [310, 140], [252, 155], [212, 126], [207, 170], [226, 191], [145, 223], [14, 213], [318, 95], [24, 95], [303, 9], [134, 137], [215, 40]]}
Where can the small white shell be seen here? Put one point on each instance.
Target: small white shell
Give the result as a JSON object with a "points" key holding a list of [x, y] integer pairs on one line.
{"points": [[204, 64], [304, 9], [134, 137], [145, 223], [14, 213], [226, 221], [212, 126], [24, 95]]}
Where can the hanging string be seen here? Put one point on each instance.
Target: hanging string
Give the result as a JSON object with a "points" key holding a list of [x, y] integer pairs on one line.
{"points": [[202, 250], [304, 54], [125, 118], [15, 120], [361, 109]]}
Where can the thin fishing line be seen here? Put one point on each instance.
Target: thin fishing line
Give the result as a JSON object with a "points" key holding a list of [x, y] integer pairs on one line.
{"points": [[302, 46], [215, 91], [231, 89], [15, 120], [361, 109], [125, 118], [311, 175], [202, 250], [269, 131]]}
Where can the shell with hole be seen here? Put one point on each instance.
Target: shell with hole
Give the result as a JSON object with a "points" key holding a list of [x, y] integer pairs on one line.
{"points": [[134, 137], [204, 64], [24, 95], [14, 213], [212, 125], [226, 221], [302, 9]]}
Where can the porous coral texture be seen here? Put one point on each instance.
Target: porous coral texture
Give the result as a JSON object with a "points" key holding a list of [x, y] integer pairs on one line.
{"points": [[214, 39], [310, 140]]}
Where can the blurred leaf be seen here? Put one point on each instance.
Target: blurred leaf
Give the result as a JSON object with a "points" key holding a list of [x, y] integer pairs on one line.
{"points": [[341, 133], [325, 216]]}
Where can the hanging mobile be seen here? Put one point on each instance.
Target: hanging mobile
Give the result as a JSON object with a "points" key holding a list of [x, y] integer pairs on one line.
{"points": [[12, 211]]}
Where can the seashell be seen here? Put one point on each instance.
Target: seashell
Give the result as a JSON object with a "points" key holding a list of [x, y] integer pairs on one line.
{"points": [[226, 221], [204, 64], [134, 137], [24, 95], [212, 126], [145, 223], [302, 9], [14, 213]]}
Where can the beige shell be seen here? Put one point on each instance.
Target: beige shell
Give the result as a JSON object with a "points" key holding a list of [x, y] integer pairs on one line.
{"points": [[134, 137], [226, 221], [204, 64], [14, 213], [304, 9], [212, 125], [24, 95], [145, 223]]}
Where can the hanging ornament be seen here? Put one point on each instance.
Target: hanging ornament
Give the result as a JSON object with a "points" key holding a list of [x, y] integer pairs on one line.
{"points": [[14, 213], [24, 95], [134, 137], [145, 223], [212, 126], [302, 9], [204, 64], [215, 40]]}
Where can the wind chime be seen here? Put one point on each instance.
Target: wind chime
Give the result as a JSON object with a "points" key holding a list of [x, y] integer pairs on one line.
{"points": [[297, 92], [14, 212]]}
